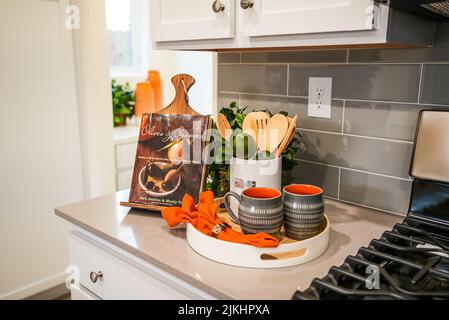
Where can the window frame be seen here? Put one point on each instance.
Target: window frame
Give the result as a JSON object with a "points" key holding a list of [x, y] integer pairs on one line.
{"points": [[140, 42]]}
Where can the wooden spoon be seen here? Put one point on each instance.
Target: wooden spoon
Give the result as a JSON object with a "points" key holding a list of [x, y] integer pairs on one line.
{"points": [[224, 127], [288, 136], [274, 133]]}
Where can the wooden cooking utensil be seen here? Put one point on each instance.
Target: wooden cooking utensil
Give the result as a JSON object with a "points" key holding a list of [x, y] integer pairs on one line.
{"points": [[288, 136], [260, 122], [290, 139], [249, 125], [283, 255], [261, 119], [180, 105], [224, 127], [274, 133]]}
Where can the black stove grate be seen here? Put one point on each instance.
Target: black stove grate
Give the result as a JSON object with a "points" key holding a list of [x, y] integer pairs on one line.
{"points": [[409, 262]]}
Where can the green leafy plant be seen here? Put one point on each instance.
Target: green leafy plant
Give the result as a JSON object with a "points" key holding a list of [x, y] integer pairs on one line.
{"points": [[218, 179], [122, 102]]}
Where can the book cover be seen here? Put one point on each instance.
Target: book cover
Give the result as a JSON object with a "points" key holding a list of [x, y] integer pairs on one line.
{"points": [[169, 159]]}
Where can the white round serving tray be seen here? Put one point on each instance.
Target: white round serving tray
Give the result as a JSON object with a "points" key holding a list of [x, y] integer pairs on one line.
{"points": [[241, 255]]}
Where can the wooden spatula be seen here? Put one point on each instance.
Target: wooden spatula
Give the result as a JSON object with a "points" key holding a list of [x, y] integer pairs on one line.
{"points": [[260, 122], [274, 133], [180, 105], [249, 125], [223, 126], [288, 136]]}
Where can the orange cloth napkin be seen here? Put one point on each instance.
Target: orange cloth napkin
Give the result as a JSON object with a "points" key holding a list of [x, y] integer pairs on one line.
{"points": [[204, 218]]}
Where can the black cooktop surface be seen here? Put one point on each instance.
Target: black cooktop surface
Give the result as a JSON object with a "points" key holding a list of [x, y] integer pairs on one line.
{"points": [[409, 262]]}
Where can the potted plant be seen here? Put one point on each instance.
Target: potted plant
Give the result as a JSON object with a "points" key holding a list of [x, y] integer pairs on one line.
{"points": [[218, 179], [122, 103]]}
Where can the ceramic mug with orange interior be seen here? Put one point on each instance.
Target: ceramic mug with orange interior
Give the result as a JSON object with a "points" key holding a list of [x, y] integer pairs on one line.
{"points": [[303, 210], [260, 210]]}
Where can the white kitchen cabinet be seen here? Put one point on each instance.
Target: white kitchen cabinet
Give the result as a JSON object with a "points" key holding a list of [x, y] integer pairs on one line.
{"points": [[125, 141], [125, 155], [283, 17], [174, 20], [192, 25], [82, 294], [123, 276], [124, 179]]}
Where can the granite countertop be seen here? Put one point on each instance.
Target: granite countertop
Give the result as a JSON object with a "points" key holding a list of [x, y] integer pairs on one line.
{"points": [[147, 236]]}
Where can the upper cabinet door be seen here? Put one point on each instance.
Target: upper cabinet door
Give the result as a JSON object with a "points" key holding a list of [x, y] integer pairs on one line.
{"points": [[175, 20], [284, 17]]}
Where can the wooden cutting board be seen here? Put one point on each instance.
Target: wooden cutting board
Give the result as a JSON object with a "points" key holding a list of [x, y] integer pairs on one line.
{"points": [[180, 105]]}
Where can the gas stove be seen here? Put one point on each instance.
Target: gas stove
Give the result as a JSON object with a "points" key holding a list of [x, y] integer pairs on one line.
{"points": [[412, 260], [409, 262]]}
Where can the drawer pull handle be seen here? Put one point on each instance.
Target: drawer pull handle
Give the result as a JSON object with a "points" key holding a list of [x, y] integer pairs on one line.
{"points": [[94, 276], [217, 6], [246, 4]]}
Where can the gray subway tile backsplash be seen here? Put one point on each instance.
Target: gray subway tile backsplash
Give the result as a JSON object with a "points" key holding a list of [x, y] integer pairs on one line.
{"points": [[268, 79], [296, 106], [229, 57], [225, 99], [366, 82], [375, 191], [307, 56], [382, 119], [399, 55], [362, 154], [323, 176], [435, 84]]}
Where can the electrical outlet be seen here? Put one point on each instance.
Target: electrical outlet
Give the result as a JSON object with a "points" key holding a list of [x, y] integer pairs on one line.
{"points": [[320, 98]]}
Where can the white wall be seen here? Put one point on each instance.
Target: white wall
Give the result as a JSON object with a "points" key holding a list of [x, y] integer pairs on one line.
{"points": [[56, 134], [201, 65], [40, 163], [94, 98]]}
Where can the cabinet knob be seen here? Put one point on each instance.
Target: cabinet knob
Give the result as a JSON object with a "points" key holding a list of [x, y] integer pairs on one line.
{"points": [[94, 276], [217, 6], [246, 4]]}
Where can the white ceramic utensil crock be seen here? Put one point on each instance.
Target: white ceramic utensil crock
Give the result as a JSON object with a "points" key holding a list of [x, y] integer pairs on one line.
{"points": [[254, 173]]}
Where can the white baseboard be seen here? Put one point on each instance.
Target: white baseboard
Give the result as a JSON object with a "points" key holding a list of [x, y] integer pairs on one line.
{"points": [[35, 288]]}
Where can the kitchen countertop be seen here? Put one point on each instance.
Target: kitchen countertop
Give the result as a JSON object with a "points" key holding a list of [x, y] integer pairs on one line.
{"points": [[147, 236]]}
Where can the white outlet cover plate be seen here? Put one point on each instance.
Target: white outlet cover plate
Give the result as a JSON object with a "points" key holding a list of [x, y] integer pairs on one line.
{"points": [[320, 98]]}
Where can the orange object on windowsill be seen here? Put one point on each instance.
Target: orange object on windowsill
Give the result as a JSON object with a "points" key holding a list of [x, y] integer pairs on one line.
{"points": [[204, 218], [144, 99], [156, 84]]}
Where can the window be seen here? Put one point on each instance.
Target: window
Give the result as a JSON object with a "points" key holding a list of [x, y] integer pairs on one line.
{"points": [[126, 24]]}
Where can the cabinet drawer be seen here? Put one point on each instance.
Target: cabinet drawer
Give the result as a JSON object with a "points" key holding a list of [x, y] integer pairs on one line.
{"points": [[81, 294], [125, 155], [124, 179], [122, 279]]}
